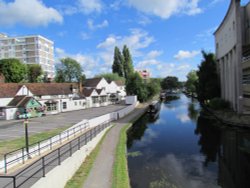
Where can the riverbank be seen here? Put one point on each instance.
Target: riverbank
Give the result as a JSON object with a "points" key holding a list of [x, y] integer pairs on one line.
{"points": [[229, 118], [102, 170]]}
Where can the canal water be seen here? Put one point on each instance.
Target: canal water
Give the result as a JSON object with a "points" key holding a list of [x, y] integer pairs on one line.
{"points": [[179, 148]]}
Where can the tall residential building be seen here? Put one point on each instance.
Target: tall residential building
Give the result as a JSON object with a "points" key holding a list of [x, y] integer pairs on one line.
{"points": [[33, 49], [233, 56]]}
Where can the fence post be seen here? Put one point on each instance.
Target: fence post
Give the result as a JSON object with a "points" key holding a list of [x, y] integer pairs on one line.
{"points": [[5, 163], [70, 149], [23, 154], [68, 134], [14, 181], [78, 142], [60, 137], [59, 156], [74, 131], [39, 148], [50, 143], [43, 164]]}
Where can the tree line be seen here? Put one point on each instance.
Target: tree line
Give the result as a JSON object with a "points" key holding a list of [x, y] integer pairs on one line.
{"points": [[135, 85]]}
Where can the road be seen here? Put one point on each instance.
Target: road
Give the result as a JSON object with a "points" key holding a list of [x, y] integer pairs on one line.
{"points": [[14, 129]]}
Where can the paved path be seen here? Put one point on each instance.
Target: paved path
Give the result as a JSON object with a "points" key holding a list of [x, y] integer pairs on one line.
{"points": [[101, 173], [15, 129]]}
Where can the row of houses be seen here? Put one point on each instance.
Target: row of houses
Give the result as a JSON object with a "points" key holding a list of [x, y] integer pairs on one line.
{"points": [[18, 100]]}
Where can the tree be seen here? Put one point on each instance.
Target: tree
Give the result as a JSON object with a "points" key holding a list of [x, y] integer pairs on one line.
{"points": [[34, 72], [153, 87], [208, 86], [128, 63], [69, 70], [170, 83], [110, 77], [117, 66], [192, 81], [13, 70], [136, 86]]}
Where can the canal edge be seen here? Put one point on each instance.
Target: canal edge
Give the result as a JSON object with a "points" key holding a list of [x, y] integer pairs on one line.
{"points": [[122, 147]]}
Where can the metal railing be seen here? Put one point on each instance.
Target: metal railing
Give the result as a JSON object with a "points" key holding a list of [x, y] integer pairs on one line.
{"points": [[29, 175], [20, 155]]}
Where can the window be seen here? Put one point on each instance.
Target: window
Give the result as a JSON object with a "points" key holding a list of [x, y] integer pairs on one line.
{"points": [[80, 103], [51, 107], [95, 100], [75, 103], [64, 105]]}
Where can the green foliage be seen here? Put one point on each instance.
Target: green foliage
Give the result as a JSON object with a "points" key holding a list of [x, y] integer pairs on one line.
{"points": [[34, 72], [192, 81], [153, 87], [170, 82], [219, 104], [144, 90], [208, 82], [128, 63], [69, 70], [110, 77], [13, 70], [117, 66]]}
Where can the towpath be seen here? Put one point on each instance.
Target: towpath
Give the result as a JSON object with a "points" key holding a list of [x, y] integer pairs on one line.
{"points": [[101, 172]]}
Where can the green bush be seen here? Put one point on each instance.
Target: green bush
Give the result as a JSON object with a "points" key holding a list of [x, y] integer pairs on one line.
{"points": [[219, 104]]}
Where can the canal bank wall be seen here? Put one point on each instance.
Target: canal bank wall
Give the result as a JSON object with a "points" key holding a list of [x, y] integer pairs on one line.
{"points": [[225, 120]]}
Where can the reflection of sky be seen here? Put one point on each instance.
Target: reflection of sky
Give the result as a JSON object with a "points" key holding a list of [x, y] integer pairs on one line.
{"points": [[187, 172], [171, 150], [183, 118], [147, 138]]}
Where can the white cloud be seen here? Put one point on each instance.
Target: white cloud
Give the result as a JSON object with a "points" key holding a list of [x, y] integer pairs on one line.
{"points": [[166, 9], [144, 20], [85, 36], [28, 12], [186, 54], [136, 41], [153, 54], [92, 26], [90, 6]]}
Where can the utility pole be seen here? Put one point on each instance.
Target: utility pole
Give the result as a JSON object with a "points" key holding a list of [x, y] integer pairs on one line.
{"points": [[26, 132]]}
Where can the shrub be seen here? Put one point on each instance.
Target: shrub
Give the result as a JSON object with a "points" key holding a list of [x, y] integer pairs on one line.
{"points": [[219, 104]]}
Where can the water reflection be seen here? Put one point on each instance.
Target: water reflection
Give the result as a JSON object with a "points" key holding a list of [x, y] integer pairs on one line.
{"points": [[179, 148], [209, 139]]}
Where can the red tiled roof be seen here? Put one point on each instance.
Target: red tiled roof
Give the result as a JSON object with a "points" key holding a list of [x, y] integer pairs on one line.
{"points": [[9, 90], [51, 88]]}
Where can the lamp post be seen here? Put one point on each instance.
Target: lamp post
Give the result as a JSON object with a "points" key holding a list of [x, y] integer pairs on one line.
{"points": [[26, 132]]}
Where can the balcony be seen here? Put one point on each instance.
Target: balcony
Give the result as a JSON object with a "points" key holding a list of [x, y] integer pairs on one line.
{"points": [[245, 63]]}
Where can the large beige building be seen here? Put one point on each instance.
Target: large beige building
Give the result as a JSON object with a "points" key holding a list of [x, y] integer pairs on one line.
{"points": [[33, 49], [233, 56]]}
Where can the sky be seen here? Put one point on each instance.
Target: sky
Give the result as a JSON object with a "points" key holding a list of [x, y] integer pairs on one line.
{"points": [[164, 36]]}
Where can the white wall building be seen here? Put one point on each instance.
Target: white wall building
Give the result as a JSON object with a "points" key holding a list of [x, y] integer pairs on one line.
{"points": [[33, 49], [232, 52]]}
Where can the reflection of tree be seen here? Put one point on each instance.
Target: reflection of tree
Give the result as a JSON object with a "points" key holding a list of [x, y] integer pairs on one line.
{"points": [[209, 139], [172, 97], [153, 117], [137, 130], [192, 111]]}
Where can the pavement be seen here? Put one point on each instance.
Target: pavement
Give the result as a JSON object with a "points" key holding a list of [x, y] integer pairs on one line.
{"points": [[100, 175], [14, 128]]}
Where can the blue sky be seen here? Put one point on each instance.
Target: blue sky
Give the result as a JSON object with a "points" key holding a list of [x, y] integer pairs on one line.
{"points": [[164, 36]]}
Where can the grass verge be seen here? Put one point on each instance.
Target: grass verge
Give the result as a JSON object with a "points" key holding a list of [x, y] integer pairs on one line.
{"points": [[10, 145], [120, 169], [82, 173]]}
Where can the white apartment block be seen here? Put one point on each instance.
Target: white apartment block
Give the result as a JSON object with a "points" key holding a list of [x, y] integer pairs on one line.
{"points": [[33, 49]]}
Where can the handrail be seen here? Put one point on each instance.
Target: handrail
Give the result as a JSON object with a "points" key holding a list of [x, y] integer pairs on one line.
{"points": [[25, 155], [40, 165]]}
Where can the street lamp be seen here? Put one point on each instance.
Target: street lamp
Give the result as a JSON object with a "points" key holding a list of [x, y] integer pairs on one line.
{"points": [[26, 132]]}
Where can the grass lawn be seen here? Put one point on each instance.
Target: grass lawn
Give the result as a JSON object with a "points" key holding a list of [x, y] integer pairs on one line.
{"points": [[82, 173], [10, 145]]}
